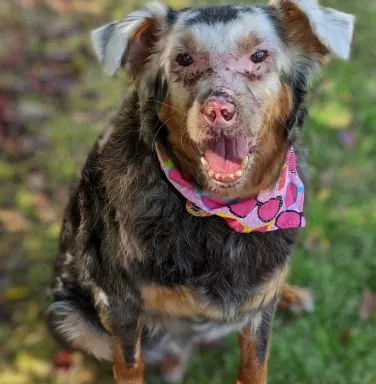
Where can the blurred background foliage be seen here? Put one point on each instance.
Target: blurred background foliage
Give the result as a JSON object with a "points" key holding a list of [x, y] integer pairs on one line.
{"points": [[54, 101]]}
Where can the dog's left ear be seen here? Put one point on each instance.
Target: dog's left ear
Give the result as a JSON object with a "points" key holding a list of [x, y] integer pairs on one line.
{"points": [[314, 29], [130, 41]]}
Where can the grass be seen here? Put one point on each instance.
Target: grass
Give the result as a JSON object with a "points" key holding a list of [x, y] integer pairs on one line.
{"points": [[335, 256]]}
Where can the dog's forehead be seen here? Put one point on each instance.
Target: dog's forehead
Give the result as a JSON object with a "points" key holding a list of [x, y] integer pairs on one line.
{"points": [[220, 29]]}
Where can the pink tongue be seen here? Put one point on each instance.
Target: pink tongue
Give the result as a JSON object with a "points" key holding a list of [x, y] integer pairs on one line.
{"points": [[226, 155]]}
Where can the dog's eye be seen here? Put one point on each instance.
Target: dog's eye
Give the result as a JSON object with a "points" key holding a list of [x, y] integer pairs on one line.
{"points": [[259, 56], [184, 59]]}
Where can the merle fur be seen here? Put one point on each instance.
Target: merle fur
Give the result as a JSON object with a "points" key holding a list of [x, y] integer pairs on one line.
{"points": [[212, 15], [123, 184], [123, 189]]}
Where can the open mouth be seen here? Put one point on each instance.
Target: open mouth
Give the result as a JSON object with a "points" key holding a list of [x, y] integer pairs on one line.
{"points": [[226, 159]]}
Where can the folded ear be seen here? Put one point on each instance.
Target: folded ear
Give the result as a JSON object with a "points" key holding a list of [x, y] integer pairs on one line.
{"points": [[315, 29], [129, 41]]}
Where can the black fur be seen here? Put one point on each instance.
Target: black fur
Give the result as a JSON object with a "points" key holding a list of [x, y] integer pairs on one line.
{"points": [[263, 332], [212, 15], [295, 121], [171, 16]]}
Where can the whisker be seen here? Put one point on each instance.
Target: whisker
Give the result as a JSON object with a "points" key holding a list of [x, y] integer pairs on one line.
{"points": [[169, 106], [162, 125]]}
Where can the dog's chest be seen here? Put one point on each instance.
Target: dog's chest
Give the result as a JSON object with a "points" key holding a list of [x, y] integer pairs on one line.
{"points": [[188, 301], [212, 271]]}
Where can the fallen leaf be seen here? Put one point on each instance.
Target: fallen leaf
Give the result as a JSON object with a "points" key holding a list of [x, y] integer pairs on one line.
{"points": [[36, 181], [345, 336], [13, 221], [46, 212], [77, 372], [15, 293], [368, 304], [63, 359], [32, 365], [12, 376]]}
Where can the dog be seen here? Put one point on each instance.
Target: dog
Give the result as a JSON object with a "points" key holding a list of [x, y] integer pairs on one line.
{"points": [[180, 228]]}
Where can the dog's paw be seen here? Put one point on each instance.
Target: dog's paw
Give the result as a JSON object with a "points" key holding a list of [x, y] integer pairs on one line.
{"points": [[296, 299]]}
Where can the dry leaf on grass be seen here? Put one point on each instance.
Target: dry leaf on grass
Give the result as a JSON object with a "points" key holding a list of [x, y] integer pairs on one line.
{"points": [[12, 220], [368, 304]]}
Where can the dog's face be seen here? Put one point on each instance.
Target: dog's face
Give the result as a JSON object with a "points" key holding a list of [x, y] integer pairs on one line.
{"points": [[228, 82], [224, 78]]}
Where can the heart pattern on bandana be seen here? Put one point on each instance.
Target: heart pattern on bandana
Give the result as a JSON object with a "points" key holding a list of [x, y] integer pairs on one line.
{"points": [[243, 208], [269, 210]]}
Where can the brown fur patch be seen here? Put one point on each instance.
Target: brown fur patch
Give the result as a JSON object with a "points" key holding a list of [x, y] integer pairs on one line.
{"points": [[140, 41], [250, 370], [299, 31], [184, 302], [247, 43], [180, 302], [190, 44], [185, 150], [271, 147], [103, 317], [271, 289]]}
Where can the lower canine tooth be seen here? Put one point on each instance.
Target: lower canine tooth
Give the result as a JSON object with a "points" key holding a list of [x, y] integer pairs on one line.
{"points": [[231, 176], [245, 162], [211, 173], [218, 176], [238, 173]]}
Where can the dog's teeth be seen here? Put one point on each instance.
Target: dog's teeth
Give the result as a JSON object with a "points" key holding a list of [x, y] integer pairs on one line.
{"points": [[245, 162], [218, 176], [211, 173], [204, 162], [238, 173], [231, 176]]}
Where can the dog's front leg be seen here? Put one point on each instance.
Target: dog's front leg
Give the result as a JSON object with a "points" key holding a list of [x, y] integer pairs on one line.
{"points": [[125, 320], [123, 373], [254, 349], [251, 369]]}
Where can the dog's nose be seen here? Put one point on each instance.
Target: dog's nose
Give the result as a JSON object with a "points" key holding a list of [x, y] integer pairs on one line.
{"points": [[218, 111]]}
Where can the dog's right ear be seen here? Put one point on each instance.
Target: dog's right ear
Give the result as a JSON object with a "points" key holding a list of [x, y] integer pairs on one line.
{"points": [[129, 41]]}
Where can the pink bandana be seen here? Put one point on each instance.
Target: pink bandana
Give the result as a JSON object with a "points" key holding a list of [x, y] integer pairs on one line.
{"points": [[280, 207]]}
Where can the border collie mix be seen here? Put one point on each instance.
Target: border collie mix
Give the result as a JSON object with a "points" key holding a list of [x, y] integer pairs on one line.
{"points": [[181, 226]]}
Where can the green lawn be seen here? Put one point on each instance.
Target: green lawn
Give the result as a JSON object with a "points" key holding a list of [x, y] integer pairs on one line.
{"points": [[62, 104]]}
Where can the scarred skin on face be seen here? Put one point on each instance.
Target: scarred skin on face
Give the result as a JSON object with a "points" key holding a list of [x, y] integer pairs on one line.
{"points": [[225, 67], [224, 153]]}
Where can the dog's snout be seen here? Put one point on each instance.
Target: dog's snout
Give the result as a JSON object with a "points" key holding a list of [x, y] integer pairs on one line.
{"points": [[218, 111]]}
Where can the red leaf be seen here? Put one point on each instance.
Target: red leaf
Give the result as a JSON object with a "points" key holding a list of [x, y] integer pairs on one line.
{"points": [[63, 360]]}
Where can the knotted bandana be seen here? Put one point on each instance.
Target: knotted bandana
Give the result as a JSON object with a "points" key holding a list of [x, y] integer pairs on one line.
{"points": [[280, 207]]}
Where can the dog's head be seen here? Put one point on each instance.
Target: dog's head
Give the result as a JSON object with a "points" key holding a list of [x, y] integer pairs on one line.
{"points": [[228, 82]]}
